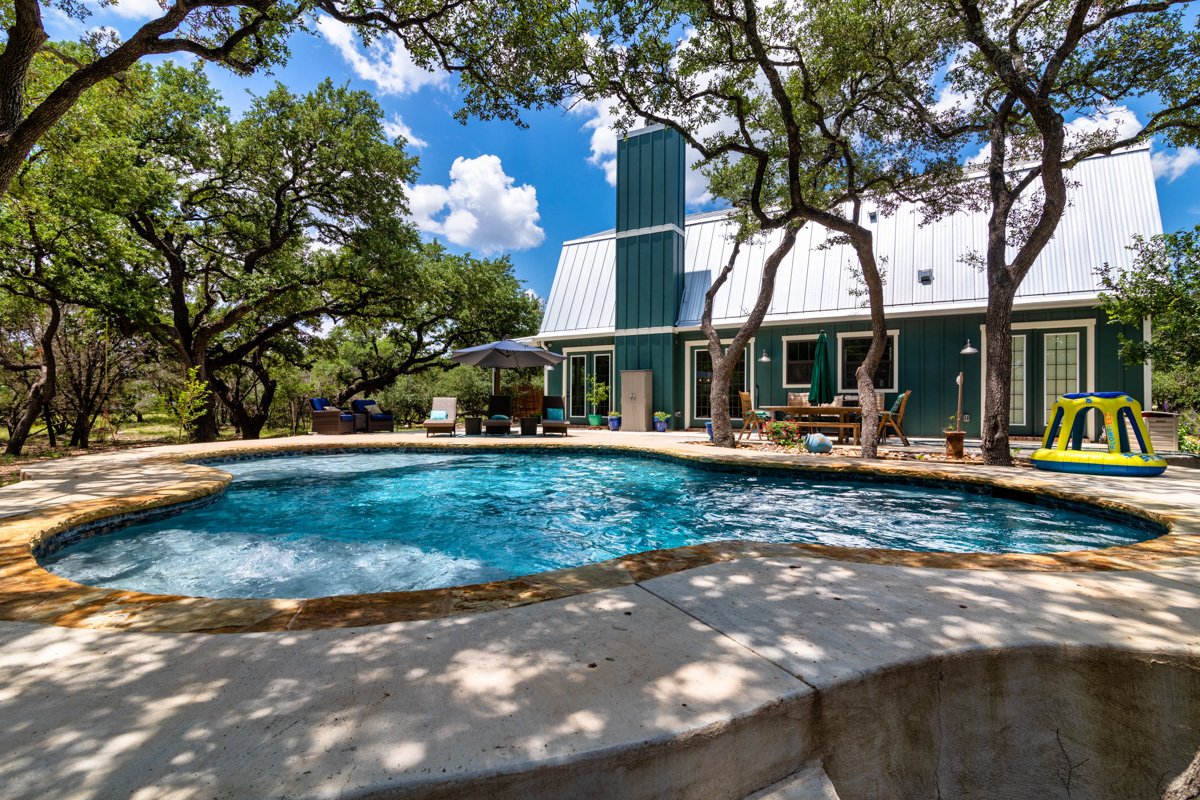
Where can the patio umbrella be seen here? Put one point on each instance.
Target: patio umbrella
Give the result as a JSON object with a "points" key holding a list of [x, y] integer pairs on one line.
{"points": [[505, 354], [820, 392]]}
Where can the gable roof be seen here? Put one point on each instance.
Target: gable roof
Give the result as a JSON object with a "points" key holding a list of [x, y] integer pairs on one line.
{"points": [[1111, 200]]}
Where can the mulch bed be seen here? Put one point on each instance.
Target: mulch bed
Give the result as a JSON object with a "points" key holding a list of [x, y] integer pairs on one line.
{"points": [[844, 451]]}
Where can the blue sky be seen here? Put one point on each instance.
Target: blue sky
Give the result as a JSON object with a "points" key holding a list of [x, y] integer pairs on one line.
{"points": [[492, 188]]}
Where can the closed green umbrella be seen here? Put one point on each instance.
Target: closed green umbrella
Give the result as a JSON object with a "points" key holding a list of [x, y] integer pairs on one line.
{"points": [[820, 392]]}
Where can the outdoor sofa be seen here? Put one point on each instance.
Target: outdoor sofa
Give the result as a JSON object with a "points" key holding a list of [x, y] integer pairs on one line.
{"points": [[327, 418], [370, 417]]}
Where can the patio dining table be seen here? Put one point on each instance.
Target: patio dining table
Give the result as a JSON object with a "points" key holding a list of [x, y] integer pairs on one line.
{"points": [[811, 415]]}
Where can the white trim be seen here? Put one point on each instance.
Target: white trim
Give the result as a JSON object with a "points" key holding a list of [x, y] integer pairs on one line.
{"points": [[657, 126], [1045, 366], [1024, 382], [688, 361], [1147, 370], [570, 352], [894, 386], [645, 331], [804, 337], [584, 333], [649, 229], [1089, 325]]}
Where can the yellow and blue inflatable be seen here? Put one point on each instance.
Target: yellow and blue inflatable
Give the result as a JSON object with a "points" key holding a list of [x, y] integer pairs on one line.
{"points": [[1122, 414]]}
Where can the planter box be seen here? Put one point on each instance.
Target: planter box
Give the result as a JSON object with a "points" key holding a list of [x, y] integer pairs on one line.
{"points": [[473, 426], [529, 426]]}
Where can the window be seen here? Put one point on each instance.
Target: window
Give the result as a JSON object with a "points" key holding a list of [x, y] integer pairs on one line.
{"points": [[578, 386], [702, 385], [799, 355], [603, 371], [1016, 398], [854, 351], [1062, 366]]}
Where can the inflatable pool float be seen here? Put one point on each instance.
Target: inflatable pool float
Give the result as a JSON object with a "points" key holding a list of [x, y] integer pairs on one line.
{"points": [[1122, 415]]}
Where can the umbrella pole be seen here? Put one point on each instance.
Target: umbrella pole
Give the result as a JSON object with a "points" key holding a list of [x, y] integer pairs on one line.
{"points": [[496, 380]]}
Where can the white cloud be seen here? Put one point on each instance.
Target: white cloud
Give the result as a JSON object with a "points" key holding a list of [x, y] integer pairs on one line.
{"points": [[1174, 165], [603, 148], [385, 63], [136, 9], [395, 126], [1117, 122], [482, 208]]}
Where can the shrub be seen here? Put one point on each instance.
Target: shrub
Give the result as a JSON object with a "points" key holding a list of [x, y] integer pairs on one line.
{"points": [[785, 433]]}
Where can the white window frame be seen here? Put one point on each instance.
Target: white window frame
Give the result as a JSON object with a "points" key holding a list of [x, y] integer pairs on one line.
{"points": [[585, 351], [689, 363], [894, 386], [806, 337], [1046, 366], [1024, 382]]}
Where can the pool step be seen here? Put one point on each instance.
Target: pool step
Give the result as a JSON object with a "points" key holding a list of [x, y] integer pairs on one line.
{"points": [[810, 783]]}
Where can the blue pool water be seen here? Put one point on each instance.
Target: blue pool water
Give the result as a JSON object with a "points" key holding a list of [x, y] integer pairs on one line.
{"points": [[310, 526]]}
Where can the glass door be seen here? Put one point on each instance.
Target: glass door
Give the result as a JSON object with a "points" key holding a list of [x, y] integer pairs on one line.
{"points": [[702, 373]]}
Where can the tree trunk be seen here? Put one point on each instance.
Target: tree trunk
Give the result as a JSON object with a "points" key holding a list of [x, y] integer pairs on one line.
{"points": [[724, 359], [42, 389], [998, 380], [81, 430], [864, 248], [1187, 785], [48, 416]]}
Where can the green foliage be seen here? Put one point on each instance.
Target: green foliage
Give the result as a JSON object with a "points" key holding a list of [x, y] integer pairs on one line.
{"points": [[661, 416], [597, 392], [189, 402], [1164, 285], [785, 433]]}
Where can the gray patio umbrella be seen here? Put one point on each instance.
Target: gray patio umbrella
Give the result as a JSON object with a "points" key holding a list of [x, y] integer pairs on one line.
{"points": [[505, 354]]}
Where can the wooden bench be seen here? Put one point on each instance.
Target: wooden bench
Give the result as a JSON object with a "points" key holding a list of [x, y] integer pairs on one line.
{"points": [[817, 426]]}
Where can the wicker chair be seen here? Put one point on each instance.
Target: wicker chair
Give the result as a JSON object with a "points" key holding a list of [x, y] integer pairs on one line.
{"points": [[894, 419], [329, 419], [554, 425], [449, 405], [372, 421], [498, 405]]}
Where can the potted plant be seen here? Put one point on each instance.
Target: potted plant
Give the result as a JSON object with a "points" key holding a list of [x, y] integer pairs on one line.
{"points": [[614, 420], [954, 438], [597, 393], [661, 420]]}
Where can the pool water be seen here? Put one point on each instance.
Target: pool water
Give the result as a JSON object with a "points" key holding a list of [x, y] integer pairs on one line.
{"points": [[311, 526]]}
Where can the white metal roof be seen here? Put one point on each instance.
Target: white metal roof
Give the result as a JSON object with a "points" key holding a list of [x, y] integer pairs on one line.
{"points": [[1112, 199]]}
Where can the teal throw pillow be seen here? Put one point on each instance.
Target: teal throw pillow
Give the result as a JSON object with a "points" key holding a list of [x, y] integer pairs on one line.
{"points": [[439, 415], [554, 414], [895, 409], [499, 416]]}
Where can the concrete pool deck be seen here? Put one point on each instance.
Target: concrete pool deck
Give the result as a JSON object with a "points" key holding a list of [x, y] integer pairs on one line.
{"points": [[694, 676]]}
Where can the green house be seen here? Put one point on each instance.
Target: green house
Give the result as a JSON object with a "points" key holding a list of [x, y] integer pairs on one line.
{"points": [[631, 299]]}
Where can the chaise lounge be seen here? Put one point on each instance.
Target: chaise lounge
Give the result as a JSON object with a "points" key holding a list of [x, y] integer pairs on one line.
{"points": [[499, 415], [443, 417], [554, 416], [329, 419]]}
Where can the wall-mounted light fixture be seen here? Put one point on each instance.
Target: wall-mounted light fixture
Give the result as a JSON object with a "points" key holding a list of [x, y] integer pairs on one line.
{"points": [[925, 276], [968, 350], [764, 358]]}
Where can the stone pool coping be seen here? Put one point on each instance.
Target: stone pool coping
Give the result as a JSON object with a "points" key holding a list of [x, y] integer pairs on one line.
{"points": [[153, 478]]}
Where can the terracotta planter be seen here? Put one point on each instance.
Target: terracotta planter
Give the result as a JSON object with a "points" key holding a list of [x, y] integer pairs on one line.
{"points": [[954, 443]]}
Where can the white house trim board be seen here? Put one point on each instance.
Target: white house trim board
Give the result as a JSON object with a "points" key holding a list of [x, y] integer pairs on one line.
{"points": [[1147, 372], [688, 360], [1046, 326], [894, 333], [804, 337], [670, 226], [645, 331]]}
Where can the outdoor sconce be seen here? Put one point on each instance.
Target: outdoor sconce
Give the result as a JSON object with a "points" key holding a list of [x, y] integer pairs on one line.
{"points": [[764, 358], [925, 276], [968, 350]]}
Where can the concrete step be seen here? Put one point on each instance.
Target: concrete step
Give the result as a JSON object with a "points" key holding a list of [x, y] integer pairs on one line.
{"points": [[810, 783]]}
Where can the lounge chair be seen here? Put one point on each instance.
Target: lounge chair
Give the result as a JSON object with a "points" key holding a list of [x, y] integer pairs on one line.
{"points": [[370, 417], [443, 418], [499, 415], [550, 405], [751, 420], [894, 419], [327, 418]]}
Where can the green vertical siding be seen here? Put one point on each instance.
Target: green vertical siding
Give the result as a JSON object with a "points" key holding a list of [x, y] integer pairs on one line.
{"points": [[650, 177], [649, 280], [657, 352]]}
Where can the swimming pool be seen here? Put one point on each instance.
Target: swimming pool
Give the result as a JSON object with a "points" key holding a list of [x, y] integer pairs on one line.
{"points": [[317, 525]]}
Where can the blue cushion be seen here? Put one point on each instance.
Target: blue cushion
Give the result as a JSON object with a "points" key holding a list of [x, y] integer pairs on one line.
{"points": [[439, 414], [555, 414], [895, 409], [346, 417], [357, 406], [381, 417], [319, 403], [499, 416]]}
